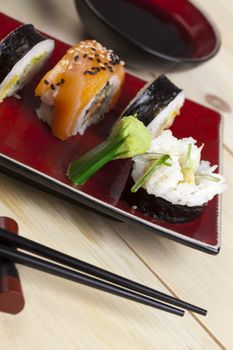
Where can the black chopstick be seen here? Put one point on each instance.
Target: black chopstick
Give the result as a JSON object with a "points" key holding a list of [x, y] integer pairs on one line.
{"points": [[49, 253], [60, 271]]}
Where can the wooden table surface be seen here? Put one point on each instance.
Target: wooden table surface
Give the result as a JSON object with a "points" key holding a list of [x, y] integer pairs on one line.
{"points": [[62, 315]]}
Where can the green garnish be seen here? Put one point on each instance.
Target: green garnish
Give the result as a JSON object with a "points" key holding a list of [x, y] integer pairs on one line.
{"points": [[38, 58], [209, 177], [129, 137], [8, 86], [154, 166], [188, 158], [187, 169]]}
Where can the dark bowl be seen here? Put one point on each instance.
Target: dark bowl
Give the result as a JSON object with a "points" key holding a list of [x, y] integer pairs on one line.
{"points": [[174, 31]]}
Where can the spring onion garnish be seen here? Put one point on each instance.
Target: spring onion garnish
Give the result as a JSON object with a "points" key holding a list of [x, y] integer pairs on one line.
{"points": [[128, 138], [187, 169], [154, 166], [208, 177], [188, 158]]}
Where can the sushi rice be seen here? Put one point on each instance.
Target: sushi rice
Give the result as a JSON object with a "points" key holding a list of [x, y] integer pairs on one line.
{"points": [[168, 182]]}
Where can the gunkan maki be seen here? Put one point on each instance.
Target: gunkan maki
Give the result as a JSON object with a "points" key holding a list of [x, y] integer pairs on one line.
{"points": [[171, 182]]}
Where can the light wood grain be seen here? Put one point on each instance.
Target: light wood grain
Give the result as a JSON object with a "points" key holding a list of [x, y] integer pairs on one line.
{"points": [[57, 309], [62, 315]]}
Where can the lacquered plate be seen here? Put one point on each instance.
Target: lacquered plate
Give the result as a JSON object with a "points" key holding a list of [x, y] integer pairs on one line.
{"points": [[28, 150]]}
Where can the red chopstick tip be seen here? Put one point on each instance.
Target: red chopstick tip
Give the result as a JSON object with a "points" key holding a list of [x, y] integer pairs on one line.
{"points": [[9, 224], [11, 296]]}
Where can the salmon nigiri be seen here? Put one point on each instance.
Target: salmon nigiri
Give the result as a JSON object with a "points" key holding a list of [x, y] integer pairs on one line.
{"points": [[80, 89]]}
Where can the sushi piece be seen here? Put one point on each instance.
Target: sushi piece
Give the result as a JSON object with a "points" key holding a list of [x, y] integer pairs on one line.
{"points": [[171, 182], [80, 89], [22, 53], [157, 104]]}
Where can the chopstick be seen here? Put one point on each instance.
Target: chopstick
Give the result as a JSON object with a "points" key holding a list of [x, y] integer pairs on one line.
{"points": [[60, 271], [49, 253]]}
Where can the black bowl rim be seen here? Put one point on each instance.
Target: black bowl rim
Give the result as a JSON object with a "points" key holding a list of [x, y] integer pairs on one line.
{"points": [[158, 53]]}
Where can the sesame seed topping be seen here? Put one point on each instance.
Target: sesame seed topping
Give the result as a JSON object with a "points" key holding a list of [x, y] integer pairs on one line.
{"points": [[89, 72], [110, 69], [60, 82], [53, 87], [103, 68], [76, 58], [64, 62], [98, 60], [114, 59], [46, 82], [85, 55]]}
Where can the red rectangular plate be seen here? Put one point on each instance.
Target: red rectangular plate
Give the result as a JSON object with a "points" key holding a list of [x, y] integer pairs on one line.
{"points": [[28, 150]]}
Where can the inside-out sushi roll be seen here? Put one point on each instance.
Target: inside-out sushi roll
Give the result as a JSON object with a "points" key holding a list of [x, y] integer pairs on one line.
{"points": [[157, 104], [22, 54], [80, 89], [171, 182]]}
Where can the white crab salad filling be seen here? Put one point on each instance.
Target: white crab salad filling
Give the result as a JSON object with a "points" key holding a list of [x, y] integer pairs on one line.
{"points": [[183, 178]]}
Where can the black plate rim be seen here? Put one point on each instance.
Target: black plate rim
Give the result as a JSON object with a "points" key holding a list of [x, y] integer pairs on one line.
{"points": [[29, 175]]}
